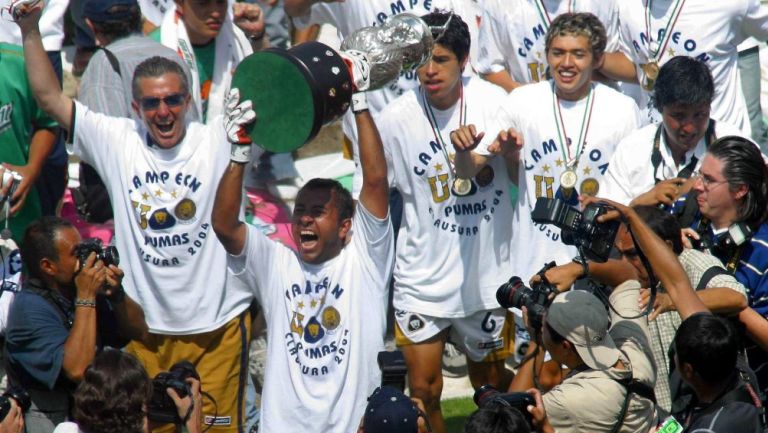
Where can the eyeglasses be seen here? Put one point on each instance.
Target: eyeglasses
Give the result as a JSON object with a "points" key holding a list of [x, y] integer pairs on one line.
{"points": [[707, 181], [172, 100]]}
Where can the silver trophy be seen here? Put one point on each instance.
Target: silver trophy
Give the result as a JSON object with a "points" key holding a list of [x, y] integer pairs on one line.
{"points": [[402, 43], [299, 90]]}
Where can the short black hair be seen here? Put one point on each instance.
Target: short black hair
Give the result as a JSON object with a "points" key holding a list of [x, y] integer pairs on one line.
{"points": [[116, 29], [683, 80], [664, 224], [743, 165], [496, 417], [579, 24], [153, 67], [39, 242], [708, 343], [455, 37], [344, 202]]}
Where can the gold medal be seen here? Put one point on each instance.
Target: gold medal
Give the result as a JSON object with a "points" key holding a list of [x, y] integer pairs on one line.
{"points": [[461, 187], [568, 179], [651, 70]]}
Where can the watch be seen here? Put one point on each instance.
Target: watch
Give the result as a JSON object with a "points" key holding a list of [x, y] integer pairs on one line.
{"points": [[584, 266]]}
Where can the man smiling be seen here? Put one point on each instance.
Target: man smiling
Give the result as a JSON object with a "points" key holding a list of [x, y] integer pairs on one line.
{"points": [[569, 126], [161, 181]]}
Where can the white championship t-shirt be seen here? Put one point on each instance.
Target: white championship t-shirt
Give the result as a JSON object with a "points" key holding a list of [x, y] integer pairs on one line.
{"points": [[630, 171], [175, 267], [452, 252], [707, 30], [325, 326], [531, 110]]}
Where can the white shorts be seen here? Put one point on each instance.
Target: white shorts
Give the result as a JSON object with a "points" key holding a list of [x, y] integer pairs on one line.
{"points": [[485, 336]]}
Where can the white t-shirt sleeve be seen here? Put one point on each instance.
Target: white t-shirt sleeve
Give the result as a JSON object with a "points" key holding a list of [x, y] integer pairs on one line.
{"points": [[504, 119], [373, 242], [95, 137], [320, 13], [490, 59], [617, 179], [259, 259], [755, 20]]}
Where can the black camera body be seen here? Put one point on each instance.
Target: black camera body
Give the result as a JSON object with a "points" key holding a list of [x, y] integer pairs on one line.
{"points": [[108, 254], [581, 229], [161, 406], [488, 394], [393, 369], [536, 299], [18, 394]]}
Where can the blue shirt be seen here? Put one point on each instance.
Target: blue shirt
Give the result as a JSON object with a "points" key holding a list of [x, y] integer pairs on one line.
{"points": [[36, 333]]}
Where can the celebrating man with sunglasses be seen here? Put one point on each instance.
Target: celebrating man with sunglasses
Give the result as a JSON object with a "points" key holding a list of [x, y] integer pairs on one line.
{"points": [[161, 180]]}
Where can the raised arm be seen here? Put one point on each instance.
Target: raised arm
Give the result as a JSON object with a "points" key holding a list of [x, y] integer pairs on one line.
{"points": [[617, 66], [662, 259], [45, 85], [374, 194], [229, 194]]}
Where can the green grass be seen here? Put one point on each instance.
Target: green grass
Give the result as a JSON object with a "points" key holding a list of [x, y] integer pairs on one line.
{"points": [[455, 411]]}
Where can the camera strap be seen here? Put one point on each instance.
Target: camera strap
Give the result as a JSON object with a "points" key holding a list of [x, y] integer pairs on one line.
{"points": [[687, 171], [704, 229]]}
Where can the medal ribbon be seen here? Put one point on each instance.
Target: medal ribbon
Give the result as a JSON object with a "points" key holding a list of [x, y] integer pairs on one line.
{"points": [[544, 15], [668, 29], [562, 135], [436, 131]]}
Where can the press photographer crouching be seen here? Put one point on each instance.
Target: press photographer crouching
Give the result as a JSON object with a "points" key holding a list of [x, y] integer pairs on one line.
{"points": [[71, 305], [117, 396], [609, 384]]}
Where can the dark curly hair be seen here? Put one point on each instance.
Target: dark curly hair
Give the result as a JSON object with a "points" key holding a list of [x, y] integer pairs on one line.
{"points": [[579, 24], [113, 394]]}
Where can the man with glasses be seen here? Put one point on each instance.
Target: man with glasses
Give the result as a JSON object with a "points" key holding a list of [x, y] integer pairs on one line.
{"points": [[161, 180], [653, 165], [731, 191]]}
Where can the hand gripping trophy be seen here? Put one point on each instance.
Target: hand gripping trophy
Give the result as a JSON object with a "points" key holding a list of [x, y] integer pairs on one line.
{"points": [[297, 91]]}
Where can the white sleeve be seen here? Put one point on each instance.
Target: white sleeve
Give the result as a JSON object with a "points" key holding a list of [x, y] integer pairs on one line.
{"points": [[490, 59], [260, 257], [755, 21], [612, 27], [322, 13], [504, 119], [373, 241], [616, 179], [96, 137]]}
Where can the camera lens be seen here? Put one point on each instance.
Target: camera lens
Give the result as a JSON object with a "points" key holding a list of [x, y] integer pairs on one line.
{"points": [[508, 295], [483, 394]]}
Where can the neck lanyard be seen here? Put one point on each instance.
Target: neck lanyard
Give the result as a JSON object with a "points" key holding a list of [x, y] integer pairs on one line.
{"points": [[657, 53], [544, 15], [436, 130], [704, 229], [562, 135], [656, 159]]}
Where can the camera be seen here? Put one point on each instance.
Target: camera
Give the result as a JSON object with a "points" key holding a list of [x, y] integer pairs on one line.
{"points": [[488, 394], [393, 369], [108, 254], [581, 229], [535, 299], [14, 178], [162, 409], [18, 394]]}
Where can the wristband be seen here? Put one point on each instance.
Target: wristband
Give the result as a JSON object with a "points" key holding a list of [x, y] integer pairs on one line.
{"points": [[359, 102], [240, 153], [584, 266], [88, 303]]}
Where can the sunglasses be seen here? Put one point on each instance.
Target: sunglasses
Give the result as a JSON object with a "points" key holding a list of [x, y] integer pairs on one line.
{"points": [[152, 103]]}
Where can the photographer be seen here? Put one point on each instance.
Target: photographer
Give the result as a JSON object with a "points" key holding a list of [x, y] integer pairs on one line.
{"points": [[114, 395], [69, 307], [611, 366], [719, 291]]}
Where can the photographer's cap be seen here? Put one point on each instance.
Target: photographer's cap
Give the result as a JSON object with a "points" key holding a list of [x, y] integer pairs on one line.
{"points": [[582, 319], [389, 410], [100, 11]]}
